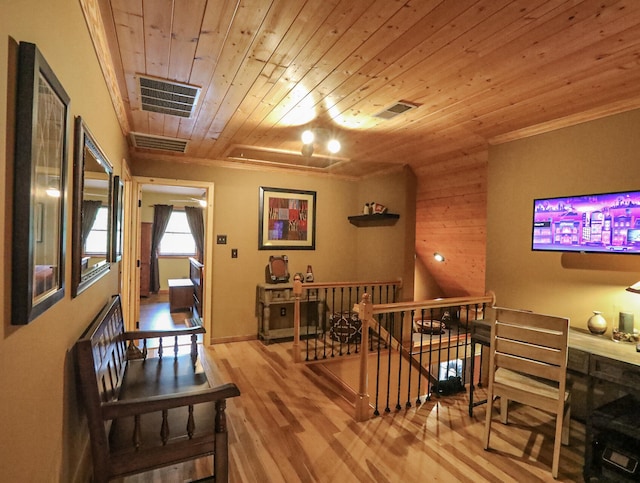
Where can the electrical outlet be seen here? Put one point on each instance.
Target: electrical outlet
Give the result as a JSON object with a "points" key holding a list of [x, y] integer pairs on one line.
{"points": [[283, 311], [221, 239], [234, 253]]}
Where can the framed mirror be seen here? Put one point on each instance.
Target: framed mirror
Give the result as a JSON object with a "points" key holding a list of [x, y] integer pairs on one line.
{"points": [[39, 217], [117, 216], [92, 211]]}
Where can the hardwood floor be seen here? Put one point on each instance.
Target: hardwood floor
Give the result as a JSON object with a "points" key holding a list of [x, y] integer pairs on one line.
{"points": [[292, 424]]}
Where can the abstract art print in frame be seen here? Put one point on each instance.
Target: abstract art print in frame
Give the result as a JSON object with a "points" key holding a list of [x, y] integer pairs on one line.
{"points": [[286, 219], [39, 217]]}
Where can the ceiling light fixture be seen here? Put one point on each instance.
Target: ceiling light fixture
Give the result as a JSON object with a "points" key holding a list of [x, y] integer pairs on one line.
{"points": [[438, 257], [309, 136]]}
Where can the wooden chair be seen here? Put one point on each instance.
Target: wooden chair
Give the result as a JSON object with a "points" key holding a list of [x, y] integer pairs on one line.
{"points": [[528, 364]]}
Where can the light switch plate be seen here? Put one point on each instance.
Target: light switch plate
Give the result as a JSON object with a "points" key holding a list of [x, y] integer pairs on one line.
{"points": [[221, 239]]}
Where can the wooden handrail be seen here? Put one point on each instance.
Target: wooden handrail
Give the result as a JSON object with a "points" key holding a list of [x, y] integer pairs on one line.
{"points": [[490, 298], [317, 285]]}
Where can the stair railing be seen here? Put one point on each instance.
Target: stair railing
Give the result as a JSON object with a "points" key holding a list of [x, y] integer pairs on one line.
{"points": [[325, 323], [396, 356]]}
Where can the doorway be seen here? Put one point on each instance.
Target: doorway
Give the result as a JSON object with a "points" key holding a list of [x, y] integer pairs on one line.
{"points": [[179, 193]]}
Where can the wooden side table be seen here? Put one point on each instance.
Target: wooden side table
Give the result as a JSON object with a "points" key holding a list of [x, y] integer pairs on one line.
{"points": [[180, 294]]}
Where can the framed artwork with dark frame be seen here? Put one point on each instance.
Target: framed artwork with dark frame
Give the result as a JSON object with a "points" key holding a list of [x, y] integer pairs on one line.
{"points": [[286, 219], [117, 212], [91, 221], [39, 215]]}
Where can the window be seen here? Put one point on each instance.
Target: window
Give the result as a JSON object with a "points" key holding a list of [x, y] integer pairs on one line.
{"points": [[96, 243], [177, 239]]}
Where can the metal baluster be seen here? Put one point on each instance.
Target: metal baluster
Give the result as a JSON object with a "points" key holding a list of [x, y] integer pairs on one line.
{"points": [[333, 313], [484, 308], [390, 331], [418, 402], [398, 406], [341, 315], [429, 383], [449, 351], [439, 353], [466, 345], [402, 314], [324, 328], [351, 321], [160, 349], [317, 321]]}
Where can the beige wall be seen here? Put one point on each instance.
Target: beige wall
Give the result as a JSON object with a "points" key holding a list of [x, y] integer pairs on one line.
{"points": [[343, 252], [42, 429], [594, 157]]}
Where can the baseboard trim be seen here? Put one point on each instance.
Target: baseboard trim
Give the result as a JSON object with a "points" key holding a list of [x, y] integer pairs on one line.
{"points": [[224, 340]]}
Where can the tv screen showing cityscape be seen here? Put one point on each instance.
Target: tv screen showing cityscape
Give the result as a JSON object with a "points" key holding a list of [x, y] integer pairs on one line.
{"points": [[606, 223]]}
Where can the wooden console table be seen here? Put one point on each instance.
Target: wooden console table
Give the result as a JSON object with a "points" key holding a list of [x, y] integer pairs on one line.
{"points": [[608, 369], [602, 361], [279, 324]]}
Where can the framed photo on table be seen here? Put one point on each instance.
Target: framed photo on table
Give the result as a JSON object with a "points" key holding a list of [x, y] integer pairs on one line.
{"points": [[286, 219], [39, 216]]}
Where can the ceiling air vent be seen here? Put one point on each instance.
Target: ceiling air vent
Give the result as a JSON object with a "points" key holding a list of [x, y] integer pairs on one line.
{"points": [[147, 141], [167, 97], [395, 110]]}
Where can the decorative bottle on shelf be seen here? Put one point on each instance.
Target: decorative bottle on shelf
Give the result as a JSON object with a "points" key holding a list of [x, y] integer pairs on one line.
{"points": [[309, 276], [597, 324]]}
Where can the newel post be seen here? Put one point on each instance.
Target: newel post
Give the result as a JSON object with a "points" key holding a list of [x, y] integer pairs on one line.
{"points": [[297, 294], [365, 311]]}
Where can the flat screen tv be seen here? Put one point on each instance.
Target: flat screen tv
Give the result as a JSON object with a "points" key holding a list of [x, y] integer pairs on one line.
{"points": [[607, 222]]}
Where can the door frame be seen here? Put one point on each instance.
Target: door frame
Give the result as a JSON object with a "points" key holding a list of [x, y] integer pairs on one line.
{"points": [[137, 183]]}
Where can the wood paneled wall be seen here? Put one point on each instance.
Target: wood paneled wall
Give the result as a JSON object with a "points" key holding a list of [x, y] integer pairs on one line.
{"points": [[451, 218]]}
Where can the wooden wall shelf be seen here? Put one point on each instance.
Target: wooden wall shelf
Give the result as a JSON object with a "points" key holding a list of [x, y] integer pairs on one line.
{"points": [[380, 219]]}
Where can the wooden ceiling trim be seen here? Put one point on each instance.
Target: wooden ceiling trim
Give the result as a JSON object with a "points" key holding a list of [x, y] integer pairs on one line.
{"points": [[601, 89], [611, 109], [99, 37]]}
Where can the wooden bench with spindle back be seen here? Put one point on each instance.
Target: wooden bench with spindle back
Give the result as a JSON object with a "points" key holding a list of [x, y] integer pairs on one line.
{"points": [[146, 410]]}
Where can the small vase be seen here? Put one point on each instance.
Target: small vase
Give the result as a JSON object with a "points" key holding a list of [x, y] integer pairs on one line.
{"points": [[597, 324]]}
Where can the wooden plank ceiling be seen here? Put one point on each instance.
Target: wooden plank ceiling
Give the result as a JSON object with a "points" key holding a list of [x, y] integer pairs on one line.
{"points": [[480, 72]]}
